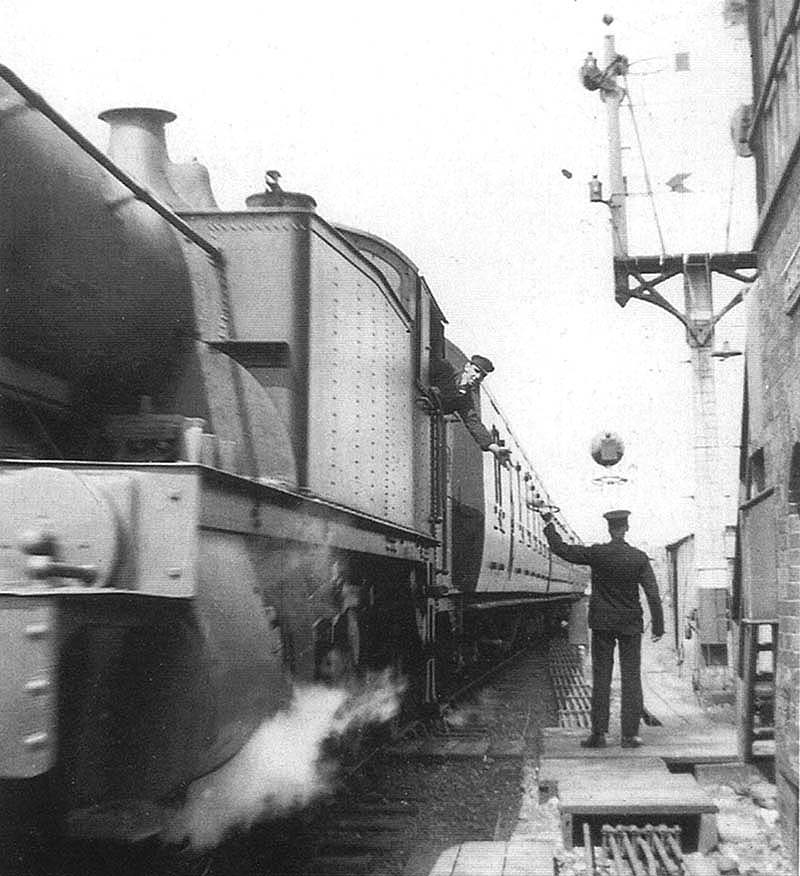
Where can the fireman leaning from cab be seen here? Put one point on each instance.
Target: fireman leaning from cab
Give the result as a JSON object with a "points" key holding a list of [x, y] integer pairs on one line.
{"points": [[454, 392]]}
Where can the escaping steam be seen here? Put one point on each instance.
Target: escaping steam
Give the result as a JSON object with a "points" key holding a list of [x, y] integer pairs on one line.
{"points": [[281, 767], [458, 718]]}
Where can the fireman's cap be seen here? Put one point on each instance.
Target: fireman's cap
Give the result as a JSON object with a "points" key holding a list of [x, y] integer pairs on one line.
{"points": [[483, 363], [617, 516]]}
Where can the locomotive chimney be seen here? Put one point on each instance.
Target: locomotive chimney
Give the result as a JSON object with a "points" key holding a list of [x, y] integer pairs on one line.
{"points": [[137, 143]]}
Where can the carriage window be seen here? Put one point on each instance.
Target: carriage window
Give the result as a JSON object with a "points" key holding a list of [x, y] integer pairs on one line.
{"points": [[498, 484], [529, 515]]}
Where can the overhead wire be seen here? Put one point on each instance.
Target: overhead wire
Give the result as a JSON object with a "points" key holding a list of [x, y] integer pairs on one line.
{"points": [[730, 203], [645, 170], [649, 188]]}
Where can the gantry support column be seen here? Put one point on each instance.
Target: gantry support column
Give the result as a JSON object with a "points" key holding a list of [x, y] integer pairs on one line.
{"points": [[709, 532]]}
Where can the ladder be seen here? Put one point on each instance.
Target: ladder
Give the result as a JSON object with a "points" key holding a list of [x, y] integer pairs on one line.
{"points": [[757, 689]]}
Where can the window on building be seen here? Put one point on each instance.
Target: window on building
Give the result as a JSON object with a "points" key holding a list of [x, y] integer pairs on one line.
{"points": [[787, 99], [772, 121], [756, 474], [794, 480], [794, 75], [783, 10], [768, 33]]}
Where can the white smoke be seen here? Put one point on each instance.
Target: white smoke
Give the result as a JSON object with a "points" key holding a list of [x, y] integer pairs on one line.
{"points": [[459, 717], [375, 701], [281, 768]]}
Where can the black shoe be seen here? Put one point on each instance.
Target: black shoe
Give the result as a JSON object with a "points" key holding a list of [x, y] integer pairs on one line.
{"points": [[596, 740], [631, 742]]}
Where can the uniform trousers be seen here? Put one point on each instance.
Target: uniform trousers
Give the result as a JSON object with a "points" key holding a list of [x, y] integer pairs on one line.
{"points": [[630, 653]]}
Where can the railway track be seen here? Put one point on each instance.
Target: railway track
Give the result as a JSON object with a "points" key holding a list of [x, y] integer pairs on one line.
{"points": [[395, 806], [458, 773]]}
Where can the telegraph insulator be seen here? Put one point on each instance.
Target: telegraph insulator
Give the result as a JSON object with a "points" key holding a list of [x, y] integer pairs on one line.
{"points": [[607, 448], [741, 123], [591, 75]]}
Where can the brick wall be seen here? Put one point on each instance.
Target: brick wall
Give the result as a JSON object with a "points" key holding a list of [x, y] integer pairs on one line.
{"points": [[788, 679], [774, 349]]}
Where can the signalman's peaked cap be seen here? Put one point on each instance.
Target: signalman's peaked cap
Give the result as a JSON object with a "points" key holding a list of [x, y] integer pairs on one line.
{"points": [[483, 363], [617, 516]]}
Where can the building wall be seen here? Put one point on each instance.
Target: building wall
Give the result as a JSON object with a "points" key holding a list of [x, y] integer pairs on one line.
{"points": [[773, 362], [680, 591], [698, 626]]}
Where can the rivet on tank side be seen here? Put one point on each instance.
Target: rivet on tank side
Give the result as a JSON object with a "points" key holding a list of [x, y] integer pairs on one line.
{"points": [[174, 573], [37, 686], [36, 740]]}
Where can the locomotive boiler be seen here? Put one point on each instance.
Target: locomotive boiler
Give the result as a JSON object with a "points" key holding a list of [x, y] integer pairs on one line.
{"points": [[221, 472]]}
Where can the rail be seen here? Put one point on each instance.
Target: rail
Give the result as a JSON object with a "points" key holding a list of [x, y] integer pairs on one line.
{"points": [[419, 726], [36, 101], [643, 851]]}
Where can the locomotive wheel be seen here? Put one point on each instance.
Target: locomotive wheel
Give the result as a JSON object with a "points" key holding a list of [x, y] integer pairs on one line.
{"points": [[30, 842], [447, 657], [411, 700], [336, 666]]}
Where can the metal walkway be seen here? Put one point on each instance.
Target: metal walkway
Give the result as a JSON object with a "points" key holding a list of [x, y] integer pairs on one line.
{"points": [[573, 694]]}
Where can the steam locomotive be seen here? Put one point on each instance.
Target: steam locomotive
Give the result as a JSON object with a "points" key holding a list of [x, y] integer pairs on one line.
{"points": [[222, 472]]}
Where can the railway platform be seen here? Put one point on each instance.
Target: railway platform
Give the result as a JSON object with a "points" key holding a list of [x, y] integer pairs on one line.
{"points": [[587, 811]]}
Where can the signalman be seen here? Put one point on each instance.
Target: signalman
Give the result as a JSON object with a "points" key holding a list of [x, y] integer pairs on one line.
{"points": [[615, 616]]}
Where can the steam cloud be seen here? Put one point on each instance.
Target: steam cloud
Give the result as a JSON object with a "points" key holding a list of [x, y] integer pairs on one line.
{"points": [[280, 768], [469, 713]]}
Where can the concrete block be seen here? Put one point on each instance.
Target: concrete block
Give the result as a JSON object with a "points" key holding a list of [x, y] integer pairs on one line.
{"points": [[446, 862], [708, 835], [480, 859], [697, 865], [514, 858], [732, 774], [525, 858]]}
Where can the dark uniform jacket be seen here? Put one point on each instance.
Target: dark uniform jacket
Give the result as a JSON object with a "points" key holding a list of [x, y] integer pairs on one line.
{"points": [[455, 399], [617, 571]]}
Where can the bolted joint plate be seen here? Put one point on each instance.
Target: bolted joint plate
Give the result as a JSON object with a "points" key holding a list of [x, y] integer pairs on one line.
{"points": [[27, 687]]}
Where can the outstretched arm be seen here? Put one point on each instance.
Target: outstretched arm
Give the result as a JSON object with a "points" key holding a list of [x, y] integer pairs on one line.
{"points": [[483, 437], [572, 553]]}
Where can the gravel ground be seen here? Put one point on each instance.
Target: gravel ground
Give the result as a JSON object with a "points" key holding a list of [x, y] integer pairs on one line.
{"points": [[472, 799]]}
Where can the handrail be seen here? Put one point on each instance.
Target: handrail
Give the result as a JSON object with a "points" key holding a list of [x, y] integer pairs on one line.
{"points": [[36, 101]]}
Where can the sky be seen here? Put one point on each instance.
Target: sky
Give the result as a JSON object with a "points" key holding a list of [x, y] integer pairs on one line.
{"points": [[446, 128]]}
